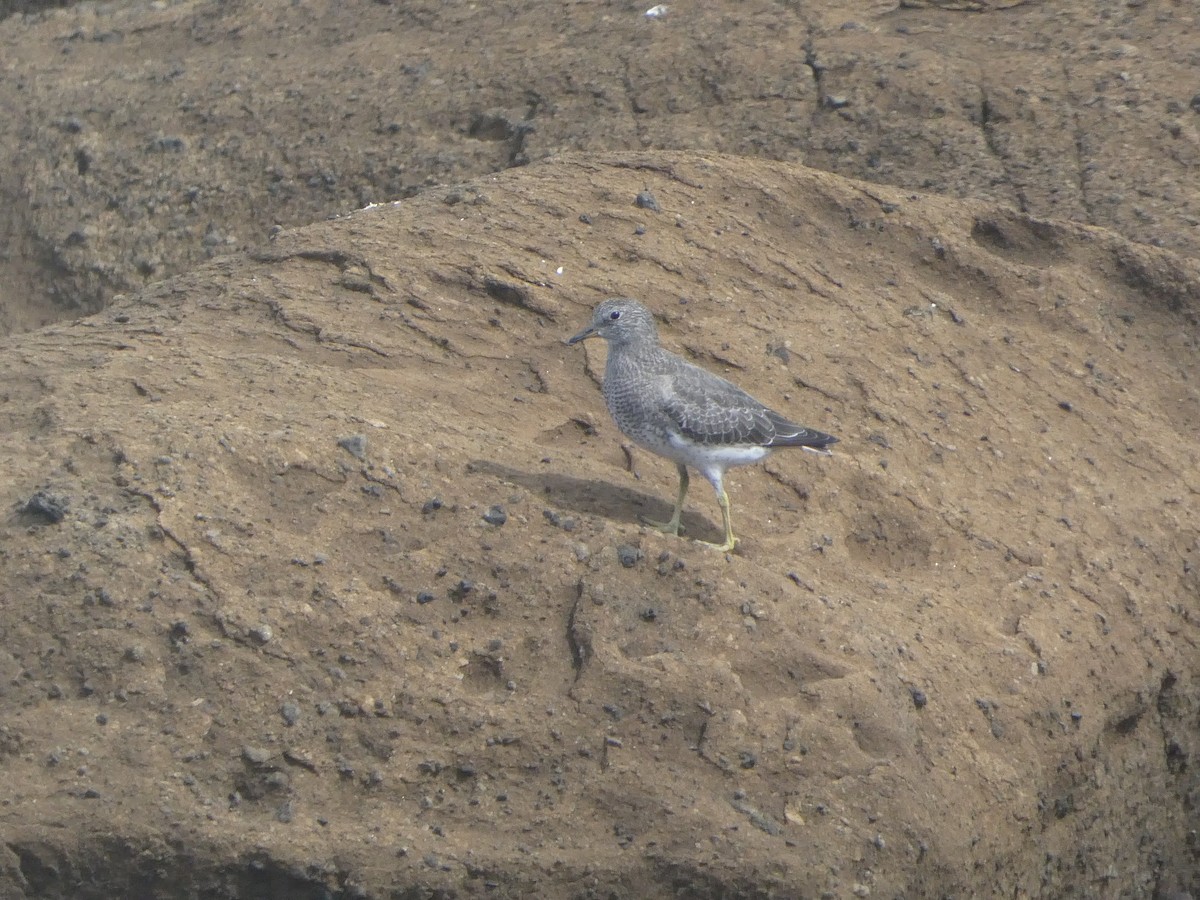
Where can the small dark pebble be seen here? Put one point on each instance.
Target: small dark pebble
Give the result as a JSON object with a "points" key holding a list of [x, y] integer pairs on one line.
{"points": [[918, 698], [355, 445], [649, 614], [463, 588], [495, 515], [629, 555], [1065, 405], [290, 712], [566, 523], [164, 143], [45, 508], [640, 230], [256, 756], [432, 505], [101, 719], [1195, 103], [748, 759], [425, 597], [645, 200], [585, 218]]}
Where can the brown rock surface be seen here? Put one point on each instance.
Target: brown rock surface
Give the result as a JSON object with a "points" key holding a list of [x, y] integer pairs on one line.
{"points": [[257, 638], [142, 138], [959, 656]]}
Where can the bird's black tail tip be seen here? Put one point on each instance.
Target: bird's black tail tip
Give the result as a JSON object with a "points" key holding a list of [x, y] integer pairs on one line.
{"points": [[815, 439]]}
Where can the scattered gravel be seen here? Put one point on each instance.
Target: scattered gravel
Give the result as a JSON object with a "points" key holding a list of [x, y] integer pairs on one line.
{"points": [[355, 445], [44, 508], [646, 200], [257, 756], [290, 711], [628, 555]]}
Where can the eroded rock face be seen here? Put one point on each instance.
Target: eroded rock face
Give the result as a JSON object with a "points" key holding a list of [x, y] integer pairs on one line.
{"points": [[259, 637], [142, 139]]}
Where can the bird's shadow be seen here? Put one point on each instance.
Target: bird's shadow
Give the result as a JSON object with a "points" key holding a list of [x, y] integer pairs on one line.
{"points": [[593, 497]]}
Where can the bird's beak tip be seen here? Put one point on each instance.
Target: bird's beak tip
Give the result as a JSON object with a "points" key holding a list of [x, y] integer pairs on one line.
{"points": [[582, 336]]}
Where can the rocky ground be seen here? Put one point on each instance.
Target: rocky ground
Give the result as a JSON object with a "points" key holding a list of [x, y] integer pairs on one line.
{"points": [[323, 572]]}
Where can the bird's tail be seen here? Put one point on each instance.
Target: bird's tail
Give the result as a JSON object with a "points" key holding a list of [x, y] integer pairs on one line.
{"points": [[789, 434]]}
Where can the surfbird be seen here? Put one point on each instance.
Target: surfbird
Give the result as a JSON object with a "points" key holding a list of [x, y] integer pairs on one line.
{"points": [[682, 412]]}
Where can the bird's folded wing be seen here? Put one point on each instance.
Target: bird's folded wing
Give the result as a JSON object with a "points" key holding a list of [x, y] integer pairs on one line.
{"points": [[710, 411]]}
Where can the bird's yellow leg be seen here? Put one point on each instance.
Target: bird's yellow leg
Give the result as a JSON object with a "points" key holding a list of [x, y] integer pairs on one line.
{"points": [[672, 526], [730, 540]]}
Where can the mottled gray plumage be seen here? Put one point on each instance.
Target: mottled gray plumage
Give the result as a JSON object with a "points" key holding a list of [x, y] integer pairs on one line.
{"points": [[682, 412]]}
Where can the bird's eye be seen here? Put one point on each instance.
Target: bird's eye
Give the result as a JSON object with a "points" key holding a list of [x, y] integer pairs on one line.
{"points": [[615, 314]]}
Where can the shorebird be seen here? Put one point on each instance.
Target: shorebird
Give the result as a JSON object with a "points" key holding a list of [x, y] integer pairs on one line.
{"points": [[683, 412]]}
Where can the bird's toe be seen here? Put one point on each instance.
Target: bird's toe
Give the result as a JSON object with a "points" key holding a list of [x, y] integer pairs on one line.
{"points": [[671, 527]]}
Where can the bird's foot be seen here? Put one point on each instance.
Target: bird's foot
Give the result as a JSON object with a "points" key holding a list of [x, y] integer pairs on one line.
{"points": [[726, 547], [671, 527]]}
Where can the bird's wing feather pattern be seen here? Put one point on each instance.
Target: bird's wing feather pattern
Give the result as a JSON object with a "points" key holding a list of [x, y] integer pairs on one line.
{"points": [[709, 410]]}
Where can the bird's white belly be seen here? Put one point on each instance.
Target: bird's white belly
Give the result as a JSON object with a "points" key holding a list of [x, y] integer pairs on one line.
{"points": [[702, 457]]}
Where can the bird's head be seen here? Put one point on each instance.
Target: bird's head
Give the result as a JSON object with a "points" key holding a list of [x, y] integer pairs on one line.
{"points": [[621, 322]]}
